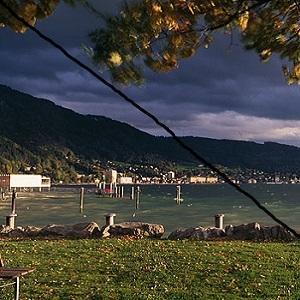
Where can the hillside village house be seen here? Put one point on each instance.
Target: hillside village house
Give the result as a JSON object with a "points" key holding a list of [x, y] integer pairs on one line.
{"points": [[24, 182]]}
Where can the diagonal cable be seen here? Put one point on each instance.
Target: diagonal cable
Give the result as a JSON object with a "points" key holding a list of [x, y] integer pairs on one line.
{"points": [[117, 91]]}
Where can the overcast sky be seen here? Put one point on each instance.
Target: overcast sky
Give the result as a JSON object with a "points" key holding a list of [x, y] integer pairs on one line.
{"points": [[222, 92]]}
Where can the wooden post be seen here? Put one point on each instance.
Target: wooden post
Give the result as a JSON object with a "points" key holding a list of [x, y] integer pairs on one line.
{"points": [[11, 219], [2, 194], [13, 202], [132, 193], [219, 221], [117, 191], [102, 186], [137, 197], [109, 219], [17, 288], [111, 189], [178, 195], [81, 199], [122, 192]]}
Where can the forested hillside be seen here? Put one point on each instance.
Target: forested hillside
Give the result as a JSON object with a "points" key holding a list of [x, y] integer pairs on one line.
{"points": [[37, 134]]}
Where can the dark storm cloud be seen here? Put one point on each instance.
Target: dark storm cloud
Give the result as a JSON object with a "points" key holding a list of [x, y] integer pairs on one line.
{"points": [[223, 91]]}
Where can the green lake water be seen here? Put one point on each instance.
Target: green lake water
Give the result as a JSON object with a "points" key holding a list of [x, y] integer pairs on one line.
{"points": [[201, 203]]}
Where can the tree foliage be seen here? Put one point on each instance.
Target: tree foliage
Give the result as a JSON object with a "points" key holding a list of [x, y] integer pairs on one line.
{"points": [[158, 34], [29, 10]]}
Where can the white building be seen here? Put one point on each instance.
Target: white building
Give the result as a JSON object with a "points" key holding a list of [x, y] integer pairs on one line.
{"points": [[197, 179], [22, 182], [203, 179], [110, 176], [211, 179], [125, 180]]}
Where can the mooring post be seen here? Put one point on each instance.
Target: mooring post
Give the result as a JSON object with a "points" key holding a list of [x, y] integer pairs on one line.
{"points": [[81, 199], [11, 219], [2, 194], [13, 202], [137, 197], [219, 218], [132, 193], [116, 190], [111, 189], [178, 195], [110, 219]]}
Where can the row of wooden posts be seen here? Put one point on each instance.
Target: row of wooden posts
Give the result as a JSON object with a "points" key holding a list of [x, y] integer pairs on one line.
{"points": [[134, 195], [118, 192]]}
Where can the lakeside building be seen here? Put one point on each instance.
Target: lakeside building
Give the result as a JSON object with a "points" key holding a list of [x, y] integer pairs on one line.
{"points": [[110, 176], [24, 182], [197, 179], [203, 179], [211, 179], [125, 180]]}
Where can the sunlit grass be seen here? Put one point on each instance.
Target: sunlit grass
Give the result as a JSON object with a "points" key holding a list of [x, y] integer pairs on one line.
{"points": [[155, 269]]}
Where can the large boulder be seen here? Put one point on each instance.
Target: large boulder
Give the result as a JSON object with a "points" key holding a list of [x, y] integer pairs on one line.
{"points": [[16, 233], [55, 230], [277, 232], [251, 231], [133, 229], [31, 231], [81, 230], [257, 232], [19, 232], [197, 233], [90, 229], [4, 230]]}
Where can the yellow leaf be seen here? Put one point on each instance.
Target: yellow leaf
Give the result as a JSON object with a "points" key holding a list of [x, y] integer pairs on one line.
{"points": [[297, 70], [115, 58], [156, 8], [243, 21]]}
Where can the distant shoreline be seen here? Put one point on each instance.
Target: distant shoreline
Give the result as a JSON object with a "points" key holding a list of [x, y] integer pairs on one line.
{"points": [[90, 185], [93, 185]]}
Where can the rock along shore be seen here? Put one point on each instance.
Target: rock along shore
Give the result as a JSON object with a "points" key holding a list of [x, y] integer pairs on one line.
{"points": [[247, 232]]}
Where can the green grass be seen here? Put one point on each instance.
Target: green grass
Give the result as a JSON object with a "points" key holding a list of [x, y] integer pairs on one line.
{"points": [[155, 269]]}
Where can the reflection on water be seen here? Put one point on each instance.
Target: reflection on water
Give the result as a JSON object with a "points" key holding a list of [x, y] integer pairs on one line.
{"points": [[201, 203]]}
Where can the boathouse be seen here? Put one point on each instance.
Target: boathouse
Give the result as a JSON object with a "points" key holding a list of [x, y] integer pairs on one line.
{"points": [[24, 182]]}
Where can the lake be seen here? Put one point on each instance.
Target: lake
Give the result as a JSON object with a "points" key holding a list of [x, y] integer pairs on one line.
{"points": [[201, 203]]}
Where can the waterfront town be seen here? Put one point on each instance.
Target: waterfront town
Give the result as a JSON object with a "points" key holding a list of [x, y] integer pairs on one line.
{"points": [[151, 174], [147, 175], [171, 177]]}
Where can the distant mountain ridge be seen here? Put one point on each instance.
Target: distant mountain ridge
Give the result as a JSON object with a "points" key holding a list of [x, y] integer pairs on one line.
{"points": [[37, 132]]}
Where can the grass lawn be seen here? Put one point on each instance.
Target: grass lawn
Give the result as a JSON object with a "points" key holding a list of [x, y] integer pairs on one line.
{"points": [[154, 269]]}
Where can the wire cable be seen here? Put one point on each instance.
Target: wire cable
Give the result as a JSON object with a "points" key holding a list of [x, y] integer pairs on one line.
{"points": [[117, 91]]}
